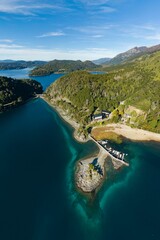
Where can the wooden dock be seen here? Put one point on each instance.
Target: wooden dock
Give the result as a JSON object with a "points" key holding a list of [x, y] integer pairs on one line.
{"points": [[113, 157]]}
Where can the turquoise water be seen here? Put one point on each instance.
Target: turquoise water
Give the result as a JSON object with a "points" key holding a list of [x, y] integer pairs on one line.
{"points": [[39, 200]]}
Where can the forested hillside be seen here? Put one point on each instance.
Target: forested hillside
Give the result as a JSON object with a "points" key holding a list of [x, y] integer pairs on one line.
{"points": [[8, 65], [132, 90], [14, 92], [62, 66]]}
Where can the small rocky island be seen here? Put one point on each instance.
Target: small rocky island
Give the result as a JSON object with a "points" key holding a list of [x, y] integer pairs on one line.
{"points": [[15, 92], [91, 172]]}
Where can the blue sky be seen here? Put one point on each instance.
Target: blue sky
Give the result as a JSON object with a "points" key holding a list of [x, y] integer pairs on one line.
{"points": [[76, 29]]}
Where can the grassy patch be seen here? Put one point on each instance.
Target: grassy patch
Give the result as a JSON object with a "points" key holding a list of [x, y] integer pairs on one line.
{"points": [[102, 134]]}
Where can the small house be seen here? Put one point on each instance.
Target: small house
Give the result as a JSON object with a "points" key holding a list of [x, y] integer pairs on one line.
{"points": [[105, 114], [97, 117]]}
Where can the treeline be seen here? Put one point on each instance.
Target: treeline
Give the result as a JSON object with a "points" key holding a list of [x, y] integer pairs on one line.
{"points": [[9, 65], [14, 92], [62, 66], [82, 94]]}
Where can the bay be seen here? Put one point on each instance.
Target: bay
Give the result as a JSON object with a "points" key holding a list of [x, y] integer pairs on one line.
{"points": [[24, 74], [39, 200]]}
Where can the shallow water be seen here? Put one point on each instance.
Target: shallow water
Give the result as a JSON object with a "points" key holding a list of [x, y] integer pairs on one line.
{"points": [[39, 199]]}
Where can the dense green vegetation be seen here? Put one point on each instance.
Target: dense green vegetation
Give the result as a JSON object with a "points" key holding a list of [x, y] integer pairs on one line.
{"points": [[14, 92], [62, 66], [136, 84], [7, 65]]}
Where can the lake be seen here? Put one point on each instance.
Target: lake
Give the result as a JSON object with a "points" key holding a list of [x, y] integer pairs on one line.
{"points": [[39, 200]]}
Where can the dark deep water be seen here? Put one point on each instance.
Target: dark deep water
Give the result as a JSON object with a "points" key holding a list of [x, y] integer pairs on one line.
{"points": [[38, 198]]}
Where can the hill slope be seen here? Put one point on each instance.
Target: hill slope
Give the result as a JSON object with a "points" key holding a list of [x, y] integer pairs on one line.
{"points": [[14, 92], [11, 64], [129, 90], [101, 61], [132, 54], [62, 66]]}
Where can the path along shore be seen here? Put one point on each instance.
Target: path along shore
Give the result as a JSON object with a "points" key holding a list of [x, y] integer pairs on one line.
{"points": [[121, 129], [87, 179]]}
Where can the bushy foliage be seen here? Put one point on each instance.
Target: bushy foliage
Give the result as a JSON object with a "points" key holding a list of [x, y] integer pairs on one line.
{"points": [[13, 92], [82, 93], [19, 64], [62, 66]]}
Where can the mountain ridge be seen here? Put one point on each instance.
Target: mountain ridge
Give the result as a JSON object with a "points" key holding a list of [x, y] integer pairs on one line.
{"points": [[62, 66], [131, 54]]}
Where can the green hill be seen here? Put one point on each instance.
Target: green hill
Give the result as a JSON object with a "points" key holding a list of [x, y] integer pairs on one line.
{"points": [[62, 66], [14, 92], [11, 64], [130, 92]]}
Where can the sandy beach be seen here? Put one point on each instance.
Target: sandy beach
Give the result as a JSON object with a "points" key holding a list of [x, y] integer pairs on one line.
{"points": [[83, 179], [132, 133]]}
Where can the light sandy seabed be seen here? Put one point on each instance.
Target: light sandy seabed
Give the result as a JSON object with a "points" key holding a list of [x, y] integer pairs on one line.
{"points": [[120, 129]]}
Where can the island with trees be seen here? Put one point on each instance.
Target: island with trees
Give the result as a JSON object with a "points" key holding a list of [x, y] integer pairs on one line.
{"points": [[62, 66]]}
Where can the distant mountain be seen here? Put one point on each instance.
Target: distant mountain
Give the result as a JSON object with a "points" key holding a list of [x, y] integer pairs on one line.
{"points": [[11, 64], [130, 92], [7, 60], [122, 57], [62, 66], [101, 61], [132, 54]]}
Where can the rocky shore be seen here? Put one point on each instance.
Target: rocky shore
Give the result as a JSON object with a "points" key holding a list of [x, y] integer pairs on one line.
{"points": [[66, 118], [90, 172]]}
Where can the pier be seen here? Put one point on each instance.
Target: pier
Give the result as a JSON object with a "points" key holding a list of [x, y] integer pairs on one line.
{"points": [[115, 155]]}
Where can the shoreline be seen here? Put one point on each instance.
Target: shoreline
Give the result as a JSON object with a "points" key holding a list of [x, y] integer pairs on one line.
{"points": [[87, 179], [83, 179], [68, 120], [134, 134], [82, 174]]}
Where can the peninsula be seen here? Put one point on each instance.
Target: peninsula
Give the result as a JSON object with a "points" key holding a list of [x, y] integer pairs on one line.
{"points": [[62, 66], [15, 92], [123, 102]]}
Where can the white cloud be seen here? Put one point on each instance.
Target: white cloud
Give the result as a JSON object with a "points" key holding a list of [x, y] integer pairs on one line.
{"points": [[97, 36], [107, 9], [26, 7], [91, 29], [145, 32], [10, 46], [93, 2], [17, 53], [153, 37], [52, 34], [6, 40]]}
